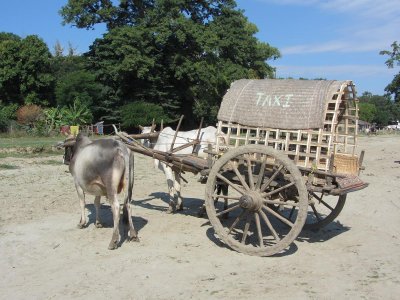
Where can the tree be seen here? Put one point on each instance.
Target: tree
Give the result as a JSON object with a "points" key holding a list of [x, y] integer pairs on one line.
{"points": [[78, 84], [385, 109], [367, 111], [9, 75], [25, 70], [142, 113], [394, 59], [179, 54], [7, 114]]}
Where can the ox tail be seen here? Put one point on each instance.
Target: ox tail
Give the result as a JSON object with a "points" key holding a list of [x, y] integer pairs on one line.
{"points": [[128, 198]]}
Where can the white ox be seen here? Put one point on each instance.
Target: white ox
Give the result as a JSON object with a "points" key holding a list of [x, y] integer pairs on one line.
{"points": [[163, 143]]}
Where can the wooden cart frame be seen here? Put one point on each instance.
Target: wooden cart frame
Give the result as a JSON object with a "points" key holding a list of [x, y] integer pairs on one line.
{"points": [[276, 180]]}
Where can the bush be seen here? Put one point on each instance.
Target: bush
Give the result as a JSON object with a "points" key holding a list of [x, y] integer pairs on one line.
{"points": [[29, 114], [7, 115], [142, 113]]}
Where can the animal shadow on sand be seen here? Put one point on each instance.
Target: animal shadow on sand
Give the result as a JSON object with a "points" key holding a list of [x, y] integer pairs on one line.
{"points": [[108, 222], [191, 206]]}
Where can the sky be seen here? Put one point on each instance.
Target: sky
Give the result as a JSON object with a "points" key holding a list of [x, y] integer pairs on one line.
{"points": [[331, 39]]}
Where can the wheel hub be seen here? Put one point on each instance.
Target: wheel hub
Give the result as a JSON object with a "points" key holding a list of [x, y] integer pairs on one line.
{"points": [[251, 202]]}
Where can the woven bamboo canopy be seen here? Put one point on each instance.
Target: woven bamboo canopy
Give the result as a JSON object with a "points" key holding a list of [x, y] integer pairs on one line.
{"points": [[279, 103]]}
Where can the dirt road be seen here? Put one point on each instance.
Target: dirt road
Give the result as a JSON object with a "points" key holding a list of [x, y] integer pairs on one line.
{"points": [[44, 255]]}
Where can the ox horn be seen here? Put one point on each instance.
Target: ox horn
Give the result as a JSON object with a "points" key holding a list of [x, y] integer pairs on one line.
{"points": [[115, 128], [141, 127], [162, 125]]}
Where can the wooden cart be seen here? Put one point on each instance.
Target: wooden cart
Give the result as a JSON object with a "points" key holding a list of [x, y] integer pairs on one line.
{"points": [[286, 154]]}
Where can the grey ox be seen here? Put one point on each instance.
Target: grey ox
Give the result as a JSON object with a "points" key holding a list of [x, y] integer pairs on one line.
{"points": [[102, 168], [163, 143]]}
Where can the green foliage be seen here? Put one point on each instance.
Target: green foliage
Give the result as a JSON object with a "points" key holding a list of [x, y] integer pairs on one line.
{"points": [[394, 55], [142, 113], [25, 74], [367, 111], [7, 114], [76, 114], [385, 109], [394, 59], [179, 54], [54, 119], [77, 85]]}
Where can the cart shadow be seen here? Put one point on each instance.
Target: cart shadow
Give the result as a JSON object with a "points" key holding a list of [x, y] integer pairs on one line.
{"points": [[214, 238], [107, 220], [309, 236], [324, 234]]}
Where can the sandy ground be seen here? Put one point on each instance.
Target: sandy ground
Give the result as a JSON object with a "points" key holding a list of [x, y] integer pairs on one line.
{"points": [[44, 255]]}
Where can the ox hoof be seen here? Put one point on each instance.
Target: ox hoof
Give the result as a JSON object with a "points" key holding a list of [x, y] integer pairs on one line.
{"points": [[133, 239], [113, 246], [98, 225], [81, 226], [171, 210]]}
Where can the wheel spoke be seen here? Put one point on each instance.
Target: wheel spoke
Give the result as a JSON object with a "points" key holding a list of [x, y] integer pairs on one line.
{"points": [[271, 228], [277, 202], [266, 184], [278, 215], [224, 197], [258, 225], [316, 196], [327, 205], [250, 173], [246, 229], [316, 212], [240, 177], [234, 186], [261, 174], [242, 214], [278, 189], [227, 210]]}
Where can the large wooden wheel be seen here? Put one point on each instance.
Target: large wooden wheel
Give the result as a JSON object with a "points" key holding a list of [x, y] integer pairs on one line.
{"points": [[323, 209], [258, 177]]}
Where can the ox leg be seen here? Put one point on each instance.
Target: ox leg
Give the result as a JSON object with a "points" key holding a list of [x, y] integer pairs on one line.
{"points": [[171, 189], [177, 187], [219, 188], [127, 219], [81, 196], [98, 223], [115, 211], [127, 213]]}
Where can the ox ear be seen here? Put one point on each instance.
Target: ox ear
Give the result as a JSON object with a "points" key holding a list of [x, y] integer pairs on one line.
{"points": [[69, 141], [59, 145]]}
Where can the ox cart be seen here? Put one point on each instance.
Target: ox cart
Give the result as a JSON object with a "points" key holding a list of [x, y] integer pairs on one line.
{"points": [[285, 151]]}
